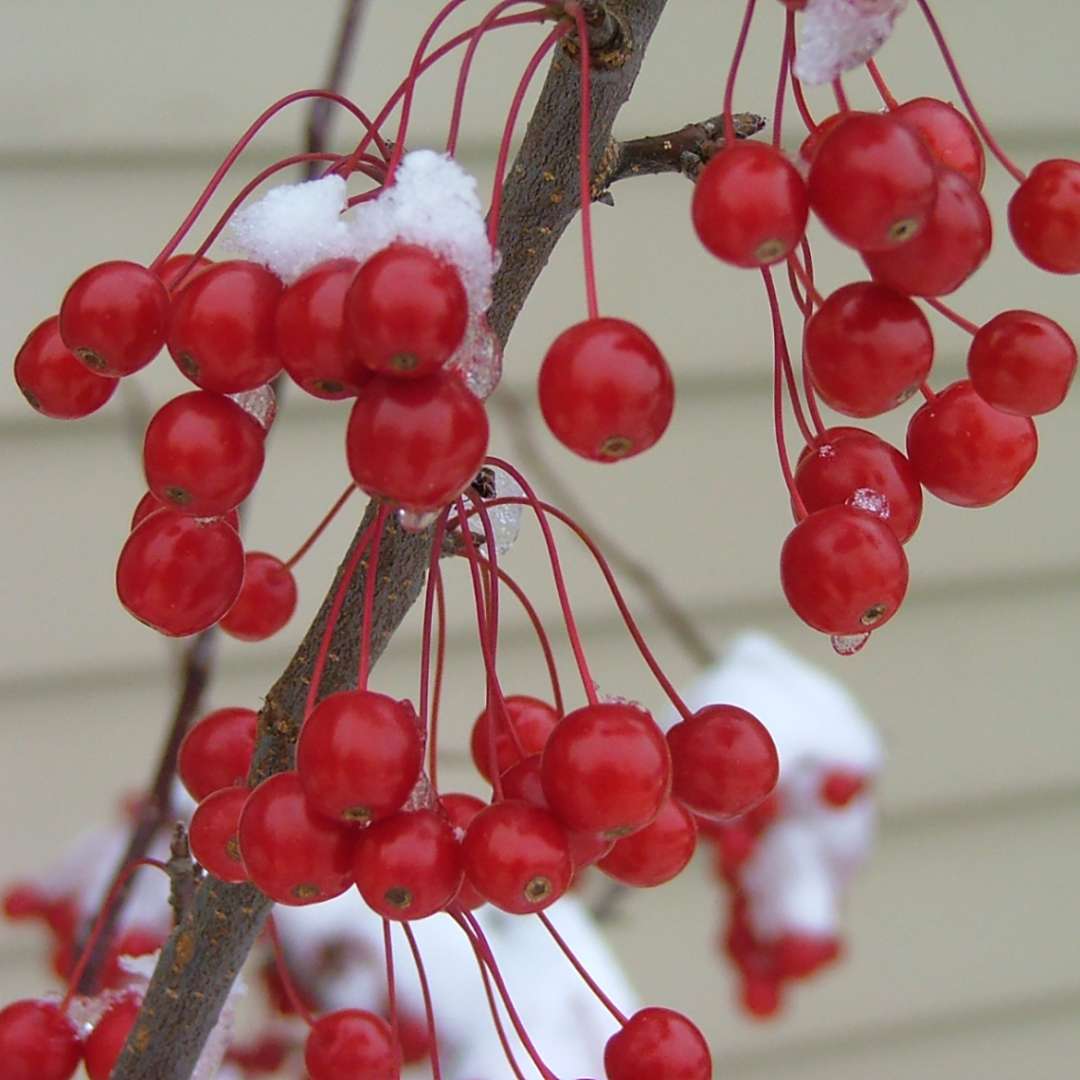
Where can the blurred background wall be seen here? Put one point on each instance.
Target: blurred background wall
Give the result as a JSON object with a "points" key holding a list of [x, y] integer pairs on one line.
{"points": [[964, 954]]}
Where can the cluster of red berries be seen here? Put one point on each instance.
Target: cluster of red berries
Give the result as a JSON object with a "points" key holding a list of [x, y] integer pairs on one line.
{"points": [[903, 189]]}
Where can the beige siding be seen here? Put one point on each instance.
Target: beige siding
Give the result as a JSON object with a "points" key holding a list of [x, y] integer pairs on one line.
{"points": [[963, 948]]}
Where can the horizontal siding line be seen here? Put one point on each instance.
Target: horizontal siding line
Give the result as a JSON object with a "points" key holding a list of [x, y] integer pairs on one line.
{"points": [[1055, 581], [1051, 1005]]}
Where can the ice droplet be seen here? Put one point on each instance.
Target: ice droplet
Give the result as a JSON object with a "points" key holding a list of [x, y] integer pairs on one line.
{"points": [[479, 359], [838, 35], [615, 699], [260, 404], [506, 520], [873, 502], [848, 644], [422, 796], [416, 521]]}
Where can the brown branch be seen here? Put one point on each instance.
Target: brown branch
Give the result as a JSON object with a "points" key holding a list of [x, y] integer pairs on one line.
{"points": [[684, 151], [183, 874], [203, 956]]}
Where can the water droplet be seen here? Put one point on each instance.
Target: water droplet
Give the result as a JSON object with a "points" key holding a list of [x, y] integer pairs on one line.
{"points": [[479, 359], [260, 404], [416, 521], [873, 502], [848, 644], [506, 520]]}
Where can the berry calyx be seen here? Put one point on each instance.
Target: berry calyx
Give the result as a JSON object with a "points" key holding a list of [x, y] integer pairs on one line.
{"points": [[113, 317], [106, 1041], [221, 327], [517, 856], [655, 1043], [349, 1044], [416, 442], [310, 332], [406, 311], [868, 349], [657, 853], [532, 721], [750, 205], [216, 751], [951, 246], [408, 866], [606, 391], [966, 452], [723, 761], [1022, 363], [843, 571], [359, 756], [151, 504], [947, 134], [202, 454], [38, 1042], [1044, 216], [853, 467], [213, 833], [180, 574], [53, 379], [293, 854], [872, 182], [606, 769], [266, 602]]}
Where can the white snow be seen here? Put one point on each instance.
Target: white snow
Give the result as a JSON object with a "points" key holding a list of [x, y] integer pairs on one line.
{"points": [[838, 35]]}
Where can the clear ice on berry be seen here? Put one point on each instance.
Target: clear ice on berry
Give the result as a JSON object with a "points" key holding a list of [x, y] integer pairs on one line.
{"points": [[479, 359], [848, 644], [260, 404], [506, 519], [838, 35], [873, 502]]}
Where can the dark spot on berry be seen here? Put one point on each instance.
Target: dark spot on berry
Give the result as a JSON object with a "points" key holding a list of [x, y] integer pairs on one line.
{"points": [[188, 365], [328, 386], [232, 848], [31, 398], [616, 446], [398, 897], [91, 359], [305, 891], [903, 230], [359, 815], [540, 888], [873, 614], [769, 251], [405, 362], [178, 495]]}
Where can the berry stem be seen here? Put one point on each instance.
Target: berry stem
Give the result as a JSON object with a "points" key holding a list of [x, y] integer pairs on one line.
{"points": [[369, 598], [433, 596], [440, 667], [808, 311], [493, 1008], [421, 974], [1014, 170], [100, 921], [495, 212], [787, 51], [733, 72], [951, 315], [585, 161], [589, 981], [838, 93], [307, 545], [391, 985], [926, 392], [800, 98], [294, 996], [881, 85]]}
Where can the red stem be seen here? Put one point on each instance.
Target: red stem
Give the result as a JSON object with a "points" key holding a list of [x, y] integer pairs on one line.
{"points": [[811, 295], [369, 598], [787, 51], [585, 162], [433, 583], [391, 986], [433, 1037], [951, 315], [589, 981], [841, 97], [295, 1000], [881, 85], [733, 71], [307, 545]]}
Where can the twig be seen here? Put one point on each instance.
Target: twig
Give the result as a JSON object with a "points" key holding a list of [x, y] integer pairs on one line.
{"points": [[183, 874]]}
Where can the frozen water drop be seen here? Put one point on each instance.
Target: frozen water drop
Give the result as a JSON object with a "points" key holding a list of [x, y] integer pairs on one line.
{"points": [[416, 521], [422, 796], [873, 502], [479, 360], [616, 699], [260, 404], [848, 644], [506, 520], [838, 35]]}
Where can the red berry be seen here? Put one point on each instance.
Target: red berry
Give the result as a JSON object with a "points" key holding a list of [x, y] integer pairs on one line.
{"points": [[292, 853], [947, 134], [843, 571], [951, 246], [54, 381], [517, 856], [606, 768], [857, 468], [202, 454], [349, 1044], [213, 833], [799, 954], [840, 786], [359, 756], [761, 995], [460, 809], [266, 602], [406, 311], [868, 349], [38, 1042], [113, 317], [106, 1041], [530, 718], [221, 327], [750, 205], [416, 442], [872, 182], [809, 147], [310, 332], [216, 752], [181, 268], [1022, 363], [408, 866], [967, 452], [180, 574], [606, 391], [657, 1043], [1044, 216], [151, 504], [657, 853], [723, 761]]}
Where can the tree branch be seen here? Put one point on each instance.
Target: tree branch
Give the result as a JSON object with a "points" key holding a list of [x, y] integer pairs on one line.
{"points": [[203, 956]]}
